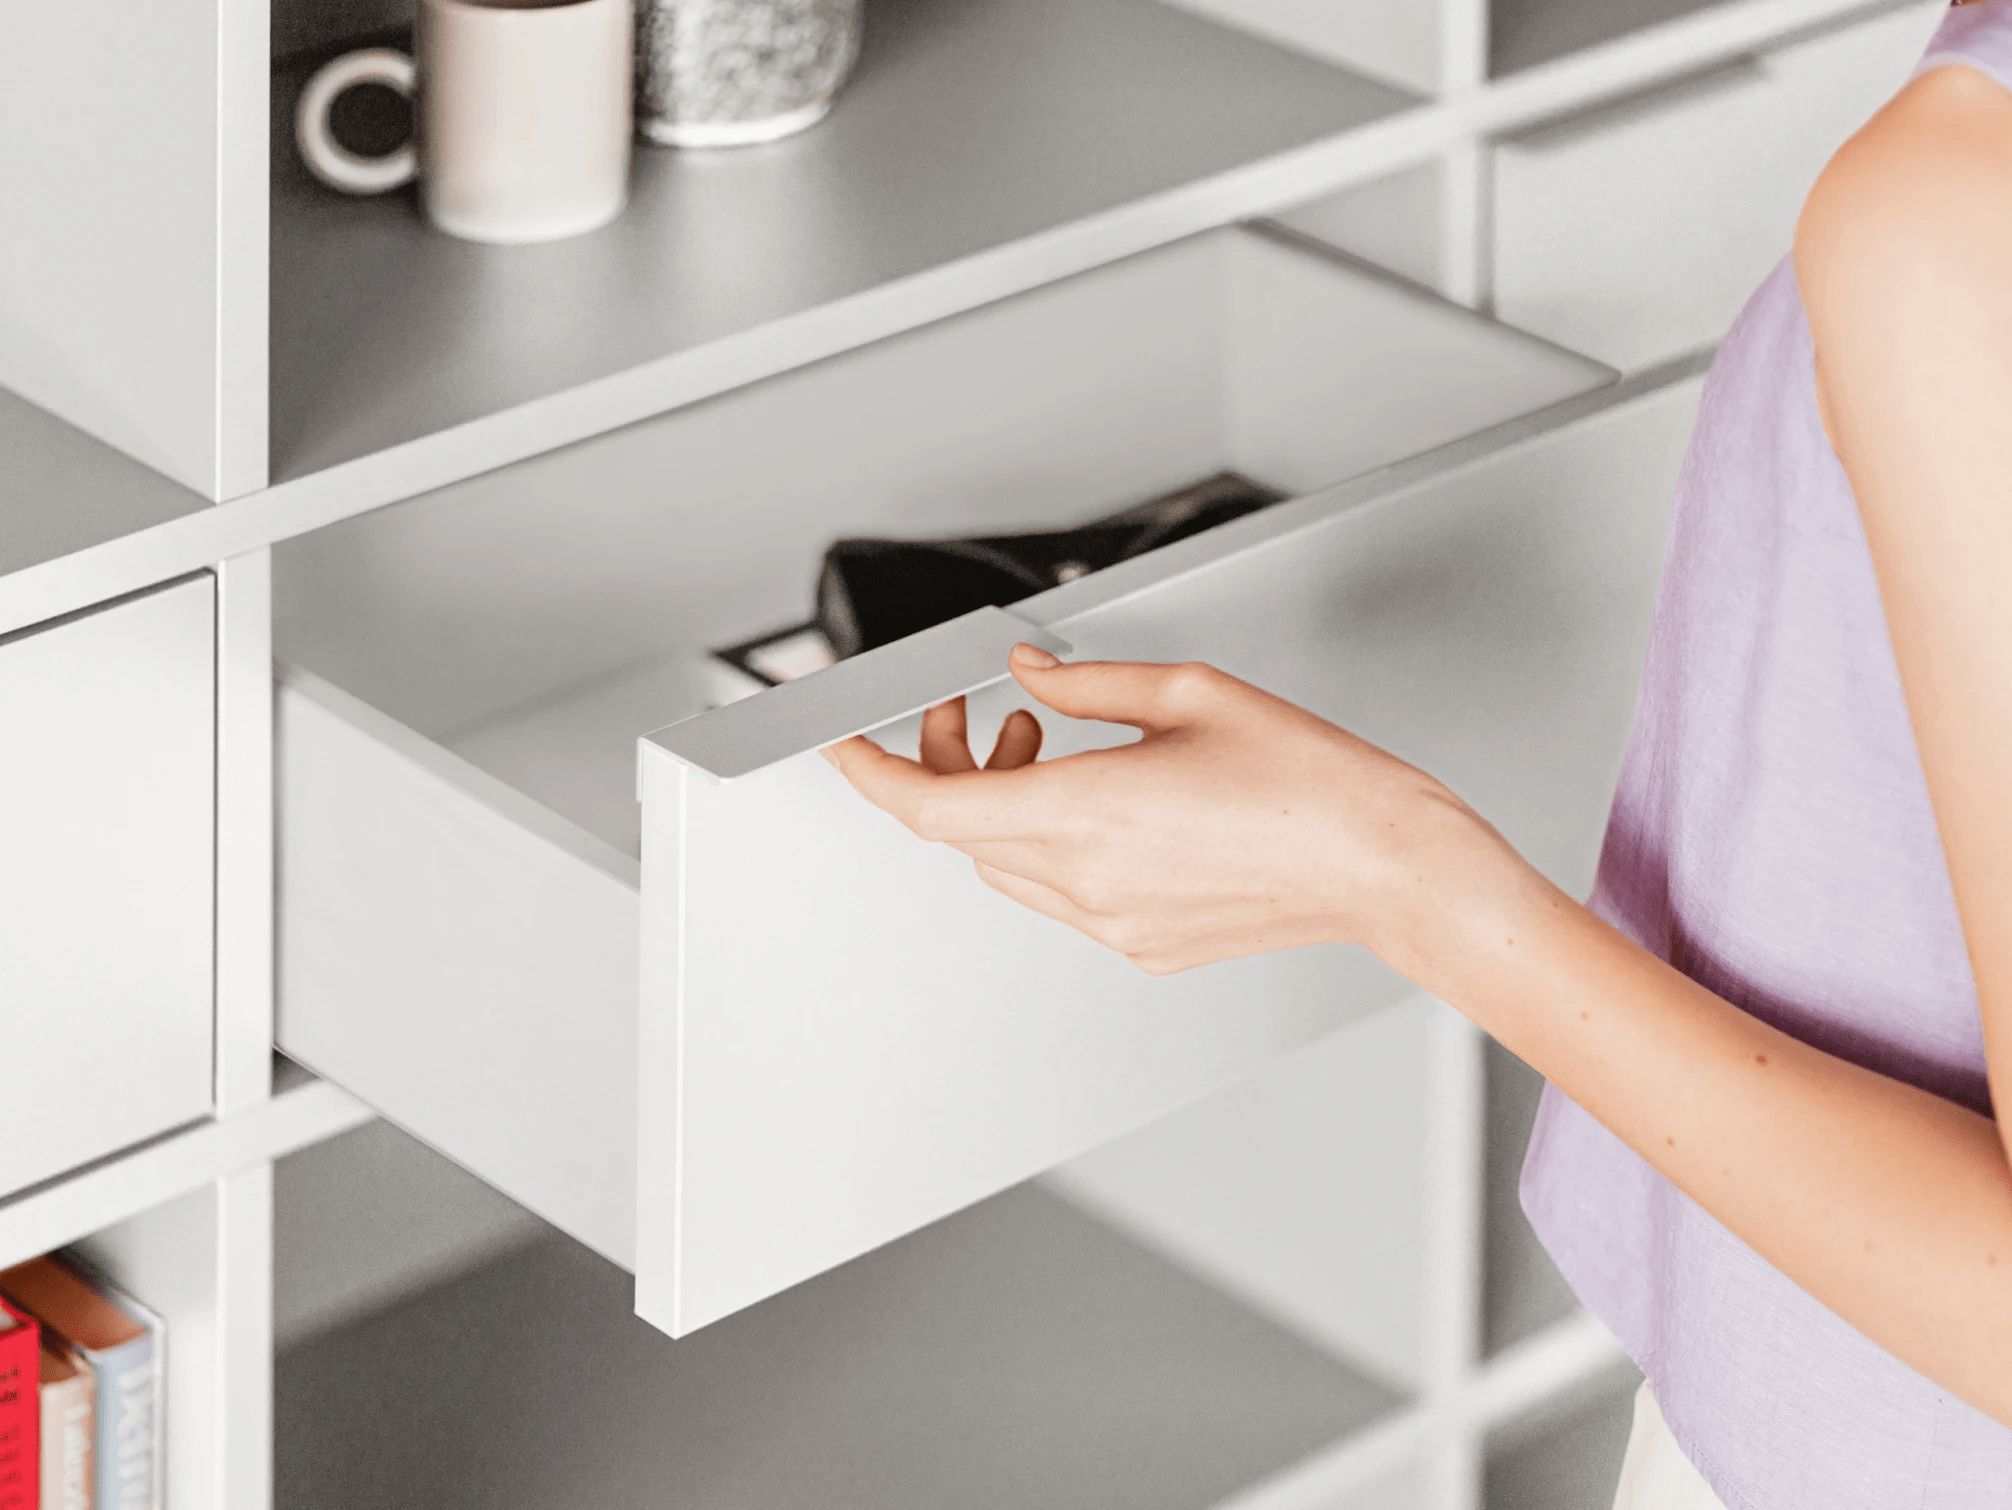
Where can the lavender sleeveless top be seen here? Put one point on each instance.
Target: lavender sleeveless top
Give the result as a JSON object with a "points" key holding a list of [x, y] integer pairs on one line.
{"points": [[1771, 837]]}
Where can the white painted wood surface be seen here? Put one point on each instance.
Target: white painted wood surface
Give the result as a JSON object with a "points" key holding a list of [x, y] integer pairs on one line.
{"points": [[1624, 232], [132, 271], [107, 773], [244, 889], [461, 961], [115, 1190], [240, 1449]]}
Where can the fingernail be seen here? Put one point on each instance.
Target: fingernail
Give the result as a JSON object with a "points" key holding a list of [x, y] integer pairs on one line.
{"points": [[829, 754], [1035, 657]]}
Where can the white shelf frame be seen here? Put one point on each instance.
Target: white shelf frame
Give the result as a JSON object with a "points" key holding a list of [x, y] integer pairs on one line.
{"points": [[227, 1161], [1456, 125], [67, 1210]]}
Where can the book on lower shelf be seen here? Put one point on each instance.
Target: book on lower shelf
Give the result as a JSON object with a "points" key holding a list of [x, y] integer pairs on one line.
{"points": [[117, 1346], [69, 1398], [20, 1409]]}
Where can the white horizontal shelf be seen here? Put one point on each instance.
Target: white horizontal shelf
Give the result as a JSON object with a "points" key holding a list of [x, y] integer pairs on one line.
{"points": [[1017, 1353], [966, 128], [62, 492], [89, 525], [1527, 33], [73, 1206]]}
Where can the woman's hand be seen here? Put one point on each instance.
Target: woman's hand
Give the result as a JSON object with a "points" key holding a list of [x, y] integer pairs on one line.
{"points": [[1238, 824]]}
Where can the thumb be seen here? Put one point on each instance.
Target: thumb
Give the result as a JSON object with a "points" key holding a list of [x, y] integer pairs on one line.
{"points": [[1140, 694]]}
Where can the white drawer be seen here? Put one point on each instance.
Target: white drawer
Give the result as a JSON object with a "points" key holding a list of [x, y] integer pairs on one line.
{"points": [[1639, 230], [840, 1035], [107, 781]]}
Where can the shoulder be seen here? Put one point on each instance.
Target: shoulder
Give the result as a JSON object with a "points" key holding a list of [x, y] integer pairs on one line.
{"points": [[1911, 221]]}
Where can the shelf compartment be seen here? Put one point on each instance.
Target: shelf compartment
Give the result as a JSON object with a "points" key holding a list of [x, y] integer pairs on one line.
{"points": [[1017, 1355], [1301, 1190], [1526, 33], [965, 129], [462, 914], [1522, 1290], [202, 1263], [1600, 242]]}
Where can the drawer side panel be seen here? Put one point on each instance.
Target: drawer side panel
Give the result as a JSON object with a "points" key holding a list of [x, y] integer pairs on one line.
{"points": [[456, 968]]}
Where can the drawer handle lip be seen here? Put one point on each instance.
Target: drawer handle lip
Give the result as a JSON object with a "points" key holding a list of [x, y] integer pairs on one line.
{"points": [[861, 693], [729, 742], [1562, 132]]}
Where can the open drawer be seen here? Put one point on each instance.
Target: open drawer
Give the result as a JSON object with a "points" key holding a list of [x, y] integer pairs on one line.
{"points": [[793, 1032]]}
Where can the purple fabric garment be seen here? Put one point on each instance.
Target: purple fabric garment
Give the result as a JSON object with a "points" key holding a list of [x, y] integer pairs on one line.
{"points": [[1771, 837]]}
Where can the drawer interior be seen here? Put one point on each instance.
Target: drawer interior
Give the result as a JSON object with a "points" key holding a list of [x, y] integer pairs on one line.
{"points": [[461, 917], [538, 620]]}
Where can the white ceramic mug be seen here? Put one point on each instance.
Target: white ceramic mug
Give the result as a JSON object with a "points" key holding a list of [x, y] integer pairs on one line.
{"points": [[523, 118]]}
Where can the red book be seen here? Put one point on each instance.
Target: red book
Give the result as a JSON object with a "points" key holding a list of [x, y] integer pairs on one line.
{"points": [[20, 1410]]}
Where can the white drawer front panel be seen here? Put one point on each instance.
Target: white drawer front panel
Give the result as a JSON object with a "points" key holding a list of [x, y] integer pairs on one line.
{"points": [[846, 1035], [107, 783]]}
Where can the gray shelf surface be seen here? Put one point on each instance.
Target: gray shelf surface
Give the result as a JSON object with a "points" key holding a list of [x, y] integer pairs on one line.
{"points": [[1568, 1459], [1522, 1291], [1525, 33], [970, 125], [1016, 1356], [62, 491]]}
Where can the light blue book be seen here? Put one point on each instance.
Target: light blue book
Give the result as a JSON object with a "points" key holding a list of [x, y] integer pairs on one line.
{"points": [[129, 1446]]}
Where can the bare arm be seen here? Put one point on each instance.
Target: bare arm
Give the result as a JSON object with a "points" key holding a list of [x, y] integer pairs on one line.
{"points": [[1239, 823]]}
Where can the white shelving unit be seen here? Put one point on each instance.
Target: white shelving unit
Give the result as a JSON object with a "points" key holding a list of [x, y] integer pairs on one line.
{"points": [[204, 359]]}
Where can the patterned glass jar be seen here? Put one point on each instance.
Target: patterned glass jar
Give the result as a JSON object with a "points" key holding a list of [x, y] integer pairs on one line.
{"points": [[720, 73]]}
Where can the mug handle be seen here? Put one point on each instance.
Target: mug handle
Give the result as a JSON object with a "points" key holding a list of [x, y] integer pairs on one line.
{"points": [[326, 158]]}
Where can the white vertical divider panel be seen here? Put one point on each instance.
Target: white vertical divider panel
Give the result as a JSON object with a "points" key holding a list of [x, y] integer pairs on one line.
{"points": [[1452, 1270], [1464, 180], [132, 270], [244, 951], [204, 1262], [241, 1446], [1432, 222], [243, 263]]}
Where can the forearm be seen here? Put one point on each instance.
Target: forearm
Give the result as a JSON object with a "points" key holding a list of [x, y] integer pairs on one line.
{"points": [[1890, 1205]]}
